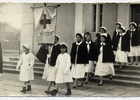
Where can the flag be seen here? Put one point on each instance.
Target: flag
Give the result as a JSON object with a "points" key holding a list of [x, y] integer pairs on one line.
{"points": [[45, 24]]}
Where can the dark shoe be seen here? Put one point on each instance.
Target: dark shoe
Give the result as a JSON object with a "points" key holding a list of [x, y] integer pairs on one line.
{"points": [[47, 92], [80, 85], [53, 92], [74, 86], [110, 77], [100, 84], [23, 90], [86, 82], [28, 88], [68, 92]]}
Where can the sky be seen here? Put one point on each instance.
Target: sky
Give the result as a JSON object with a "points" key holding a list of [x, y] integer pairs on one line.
{"points": [[11, 13]]}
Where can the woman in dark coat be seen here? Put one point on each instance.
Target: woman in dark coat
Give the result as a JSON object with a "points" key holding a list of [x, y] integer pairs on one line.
{"points": [[122, 47], [91, 50], [105, 60], [134, 51], [79, 59]]}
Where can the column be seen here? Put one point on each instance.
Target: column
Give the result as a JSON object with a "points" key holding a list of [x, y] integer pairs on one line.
{"points": [[27, 35], [97, 17], [123, 14], [109, 17], [79, 18]]}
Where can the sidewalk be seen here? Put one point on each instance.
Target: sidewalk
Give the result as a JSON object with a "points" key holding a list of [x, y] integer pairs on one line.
{"points": [[10, 86]]}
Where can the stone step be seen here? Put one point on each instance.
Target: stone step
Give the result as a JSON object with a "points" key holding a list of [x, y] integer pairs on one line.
{"points": [[9, 66], [15, 63], [127, 77], [117, 76], [130, 67], [7, 70], [127, 72], [117, 82], [17, 59]]}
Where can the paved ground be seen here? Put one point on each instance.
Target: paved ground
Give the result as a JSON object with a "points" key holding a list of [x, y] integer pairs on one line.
{"points": [[10, 86]]}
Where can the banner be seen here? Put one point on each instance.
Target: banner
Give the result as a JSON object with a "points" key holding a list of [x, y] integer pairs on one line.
{"points": [[45, 24]]}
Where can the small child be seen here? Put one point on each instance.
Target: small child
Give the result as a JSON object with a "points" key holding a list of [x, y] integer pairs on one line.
{"points": [[105, 60], [63, 74], [121, 47], [26, 64]]}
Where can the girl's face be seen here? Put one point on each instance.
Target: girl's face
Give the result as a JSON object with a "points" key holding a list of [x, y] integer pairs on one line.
{"points": [[102, 39], [117, 26], [132, 27], [88, 38], [78, 38], [63, 50], [25, 50], [120, 30], [55, 40], [102, 30]]}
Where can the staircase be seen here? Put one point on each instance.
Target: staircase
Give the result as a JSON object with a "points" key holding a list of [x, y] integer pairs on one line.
{"points": [[9, 66], [128, 76]]}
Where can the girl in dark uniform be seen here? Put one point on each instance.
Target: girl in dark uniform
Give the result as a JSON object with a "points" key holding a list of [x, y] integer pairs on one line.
{"points": [[79, 59], [134, 52], [105, 60], [122, 47], [91, 50]]}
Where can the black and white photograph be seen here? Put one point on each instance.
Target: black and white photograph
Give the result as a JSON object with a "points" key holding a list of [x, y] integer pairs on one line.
{"points": [[69, 49]]}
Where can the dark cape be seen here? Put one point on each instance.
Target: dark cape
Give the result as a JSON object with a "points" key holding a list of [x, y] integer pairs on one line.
{"points": [[97, 41], [108, 55], [1, 59], [82, 56], [125, 44], [42, 54], [114, 37], [92, 52], [135, 37], [55, 52]]}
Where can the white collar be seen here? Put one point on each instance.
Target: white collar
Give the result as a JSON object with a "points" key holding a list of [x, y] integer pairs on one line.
{"points": [[88, 42], [133, 29], [78, 43], [102, 43], [122, 34]]}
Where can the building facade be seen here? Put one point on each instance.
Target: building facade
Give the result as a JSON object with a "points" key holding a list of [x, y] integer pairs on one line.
{"points": [[73, 18]]}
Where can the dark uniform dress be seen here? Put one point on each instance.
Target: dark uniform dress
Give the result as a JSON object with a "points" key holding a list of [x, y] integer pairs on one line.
{"points": [[91, 51], [122, 47], [79, 59], [105, 60], [115, 34], [50, 69], [133, 34]]}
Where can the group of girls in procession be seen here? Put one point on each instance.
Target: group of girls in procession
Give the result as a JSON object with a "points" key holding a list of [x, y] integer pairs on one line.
{"points": [[84, 55]]}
